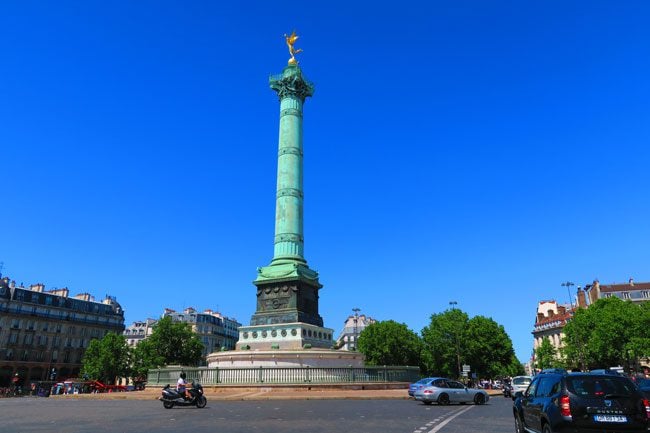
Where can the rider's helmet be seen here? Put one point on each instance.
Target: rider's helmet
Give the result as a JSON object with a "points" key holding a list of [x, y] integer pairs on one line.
{"points": [[183, 375]]}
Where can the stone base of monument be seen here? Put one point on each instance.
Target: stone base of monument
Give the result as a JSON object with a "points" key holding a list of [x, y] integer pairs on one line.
{"points": [[285, 358], [284, 336], [285, 345]]}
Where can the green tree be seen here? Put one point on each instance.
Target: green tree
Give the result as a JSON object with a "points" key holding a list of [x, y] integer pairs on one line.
{"points": [[444, 342], [107, 359], [390, 343], [170, 343], [452, 339], [488, 348], [546, 356], [610, 332], [145, 357], [639, 344]]}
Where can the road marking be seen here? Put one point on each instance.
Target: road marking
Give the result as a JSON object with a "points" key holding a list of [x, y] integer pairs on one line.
{"points": [[445, 422]]}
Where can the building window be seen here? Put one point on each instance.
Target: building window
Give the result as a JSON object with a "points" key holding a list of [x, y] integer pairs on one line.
{"points": [[626, 295], [15, 324], [645, 294], [608, 295], [28, 339]]}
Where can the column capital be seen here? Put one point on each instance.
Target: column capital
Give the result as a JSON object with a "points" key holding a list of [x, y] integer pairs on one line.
{"points": [[291, 83]]}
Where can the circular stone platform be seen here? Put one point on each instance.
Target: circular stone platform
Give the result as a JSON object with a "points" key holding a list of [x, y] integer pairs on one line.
{"points": [[285, 358]]}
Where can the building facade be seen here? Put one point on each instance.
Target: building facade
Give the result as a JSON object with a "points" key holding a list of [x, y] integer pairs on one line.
{"points": [[352, 327], [549, 323], [630, 291], [551, 319], [45, 332], [215, 330], [138, 331]]}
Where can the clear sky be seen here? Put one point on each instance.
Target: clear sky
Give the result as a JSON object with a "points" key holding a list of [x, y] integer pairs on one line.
{"points": [[469, 151]]}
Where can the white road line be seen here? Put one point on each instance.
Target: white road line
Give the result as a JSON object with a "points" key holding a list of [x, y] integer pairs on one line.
{"points": [[445, 422]]}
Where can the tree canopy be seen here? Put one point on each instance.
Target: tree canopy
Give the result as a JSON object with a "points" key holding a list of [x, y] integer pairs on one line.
{"points": [[488, 349], [608, 333], [452, 339], [390, 343], [107, 359], [170, 343], [444, 340]]}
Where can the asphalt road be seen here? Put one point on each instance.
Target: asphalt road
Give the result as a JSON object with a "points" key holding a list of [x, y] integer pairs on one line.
{"points": [[30, 415]]}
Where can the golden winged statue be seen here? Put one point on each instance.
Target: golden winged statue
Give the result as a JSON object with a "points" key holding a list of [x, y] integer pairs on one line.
{"points": [[291, 39]]}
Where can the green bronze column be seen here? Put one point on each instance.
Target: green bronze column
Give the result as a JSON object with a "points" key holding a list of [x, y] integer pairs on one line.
{"points": [[292, 90], [287, 290]]}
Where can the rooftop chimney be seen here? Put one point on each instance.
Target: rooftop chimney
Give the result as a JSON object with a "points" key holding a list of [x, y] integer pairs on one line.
{"points": [[631, 281], [582, 298]]}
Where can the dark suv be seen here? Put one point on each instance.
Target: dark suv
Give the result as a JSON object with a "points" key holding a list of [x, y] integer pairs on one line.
{"points": [[561, 402]]}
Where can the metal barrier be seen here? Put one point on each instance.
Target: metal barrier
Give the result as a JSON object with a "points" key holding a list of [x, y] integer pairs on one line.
{"points": [[284, 375]]}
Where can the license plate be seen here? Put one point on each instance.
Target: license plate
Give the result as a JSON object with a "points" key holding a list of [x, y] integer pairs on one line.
{"points": [[610, 418]]}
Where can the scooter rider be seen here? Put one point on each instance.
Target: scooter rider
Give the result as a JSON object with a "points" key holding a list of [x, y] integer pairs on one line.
{"points": [[181, 386]]}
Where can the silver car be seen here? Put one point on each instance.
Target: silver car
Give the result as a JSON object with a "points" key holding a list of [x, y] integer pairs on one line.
{"points": [[444, 391]]}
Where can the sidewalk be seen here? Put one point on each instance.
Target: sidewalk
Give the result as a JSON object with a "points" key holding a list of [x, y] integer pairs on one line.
{"points": [[263, 393]]}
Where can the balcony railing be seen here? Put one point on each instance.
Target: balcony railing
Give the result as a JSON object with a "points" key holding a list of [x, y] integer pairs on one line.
{"points": [[284, 375]]}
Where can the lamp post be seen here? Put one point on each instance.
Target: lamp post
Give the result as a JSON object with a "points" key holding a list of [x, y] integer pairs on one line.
{"points": [[356, 322], [453, 304], [568, 285]]}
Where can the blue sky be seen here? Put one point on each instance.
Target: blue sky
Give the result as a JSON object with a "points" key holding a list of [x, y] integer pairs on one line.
{"points": [[468, 151]]}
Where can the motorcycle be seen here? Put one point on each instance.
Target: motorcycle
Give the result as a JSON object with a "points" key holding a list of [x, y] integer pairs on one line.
{"points": [[170, 397]]}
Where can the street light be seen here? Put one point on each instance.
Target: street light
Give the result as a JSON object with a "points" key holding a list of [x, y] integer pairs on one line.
{"points": [[356, 321], [568, 285]]}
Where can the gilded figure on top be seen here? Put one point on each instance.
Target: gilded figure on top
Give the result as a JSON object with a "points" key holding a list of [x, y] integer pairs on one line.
{"points": [[291, 40]]}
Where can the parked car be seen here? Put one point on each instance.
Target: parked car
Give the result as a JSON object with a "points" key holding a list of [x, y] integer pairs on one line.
{"points": [[420, 384], [445, 391], [519, 383], [561, 402]]}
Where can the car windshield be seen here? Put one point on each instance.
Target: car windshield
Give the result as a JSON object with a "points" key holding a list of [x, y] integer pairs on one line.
{"points": [[423, 381], [521, 381], [600, 386]]}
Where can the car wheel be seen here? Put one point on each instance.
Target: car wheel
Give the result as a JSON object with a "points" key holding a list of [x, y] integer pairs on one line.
{"points": [[547, 428], [443, 399], [519, 426], [479, 399]]}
